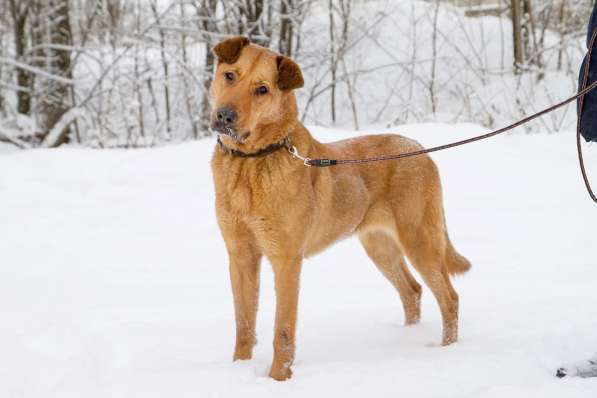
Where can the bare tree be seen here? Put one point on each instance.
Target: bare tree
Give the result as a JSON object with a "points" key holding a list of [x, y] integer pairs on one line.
{"points": [[517, 34], [154, 9], [189, 97], [432, 80], [257, 16], [20, 11], [56, 44], [338, 43], [286, 34], [206, 13], [136, 73]]}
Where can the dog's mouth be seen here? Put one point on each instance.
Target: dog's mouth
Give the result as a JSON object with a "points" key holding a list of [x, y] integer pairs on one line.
{"points": [[230, 132]]}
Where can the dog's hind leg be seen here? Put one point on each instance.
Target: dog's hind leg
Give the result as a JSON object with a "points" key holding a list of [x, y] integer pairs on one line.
{"points": [[425, 246], [383, 250], [422, 235]]}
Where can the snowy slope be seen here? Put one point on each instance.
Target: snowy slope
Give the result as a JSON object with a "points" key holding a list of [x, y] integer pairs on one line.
{"points": [[114, 282]]}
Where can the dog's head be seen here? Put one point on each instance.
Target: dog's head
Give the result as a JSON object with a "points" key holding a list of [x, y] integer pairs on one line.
{"points": [[252, 94]]}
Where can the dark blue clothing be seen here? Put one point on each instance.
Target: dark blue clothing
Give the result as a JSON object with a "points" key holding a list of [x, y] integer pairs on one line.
{"points": [[588, 121]]}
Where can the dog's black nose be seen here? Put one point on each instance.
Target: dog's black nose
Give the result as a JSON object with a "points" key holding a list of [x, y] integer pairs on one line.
{"points": [[226, 115]]}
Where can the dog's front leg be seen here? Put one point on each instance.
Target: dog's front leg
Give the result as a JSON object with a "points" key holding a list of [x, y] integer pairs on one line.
{"points": [[244, 276], [287, 273], [244, 261]]}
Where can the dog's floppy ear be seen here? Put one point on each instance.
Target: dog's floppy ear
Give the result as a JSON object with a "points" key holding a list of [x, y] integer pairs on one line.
{"points": [[289, 74], [229, 50]]}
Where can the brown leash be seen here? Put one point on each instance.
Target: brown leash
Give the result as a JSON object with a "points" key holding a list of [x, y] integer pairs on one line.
{"points": [[581, 102], [580, 97]]}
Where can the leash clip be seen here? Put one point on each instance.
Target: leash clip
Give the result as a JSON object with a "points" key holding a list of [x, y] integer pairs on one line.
{"points": [[294, 152]]}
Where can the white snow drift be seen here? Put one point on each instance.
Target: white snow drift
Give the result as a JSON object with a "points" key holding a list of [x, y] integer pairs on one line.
{"points": [[114, 281]]}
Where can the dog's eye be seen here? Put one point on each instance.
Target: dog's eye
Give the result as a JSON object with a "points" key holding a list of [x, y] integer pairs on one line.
{"points": [[261, 90], [229, 76]]}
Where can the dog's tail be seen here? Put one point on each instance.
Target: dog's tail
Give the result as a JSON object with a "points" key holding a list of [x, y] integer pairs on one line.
{"points": [[455, 262]]}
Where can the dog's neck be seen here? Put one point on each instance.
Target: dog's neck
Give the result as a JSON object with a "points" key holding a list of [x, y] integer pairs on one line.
{"points": [[296, 136], [284, 144]]}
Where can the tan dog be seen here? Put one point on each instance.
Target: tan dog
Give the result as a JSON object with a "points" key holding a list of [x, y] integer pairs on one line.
{"points": [[269, 203]]}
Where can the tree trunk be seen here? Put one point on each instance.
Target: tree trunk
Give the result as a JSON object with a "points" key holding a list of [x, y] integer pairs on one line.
{"points": [[19, 12], [253, 10], [165, 68], [191, 113], [60, 34], [562, 31], [534, 56], [517, 35], [432, 88], [286, 27], [206, 12], [137, 82], [333, 62]]}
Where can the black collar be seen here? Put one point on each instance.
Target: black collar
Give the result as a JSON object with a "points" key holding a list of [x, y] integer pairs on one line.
{"points": [[285, 143]]}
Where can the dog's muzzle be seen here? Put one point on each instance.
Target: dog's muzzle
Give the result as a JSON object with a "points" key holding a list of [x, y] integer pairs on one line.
{"points": [[224, 121]]}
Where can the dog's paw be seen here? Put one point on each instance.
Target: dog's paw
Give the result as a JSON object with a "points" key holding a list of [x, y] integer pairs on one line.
{"points": [[243, 349], [281, 373], [411, 320], [446, 341], [243, 353]]}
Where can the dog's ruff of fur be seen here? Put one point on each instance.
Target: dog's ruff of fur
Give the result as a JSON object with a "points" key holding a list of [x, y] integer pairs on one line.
{"points": [[275, 206]]}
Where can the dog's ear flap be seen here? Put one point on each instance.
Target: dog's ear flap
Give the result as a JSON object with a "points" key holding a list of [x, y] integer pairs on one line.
{"points": [[290, 76], [228, 51]]}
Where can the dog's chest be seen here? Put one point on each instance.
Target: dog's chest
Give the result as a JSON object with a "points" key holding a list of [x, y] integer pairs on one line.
{"points": [[247, 192], [233, 194], [312, 207]]}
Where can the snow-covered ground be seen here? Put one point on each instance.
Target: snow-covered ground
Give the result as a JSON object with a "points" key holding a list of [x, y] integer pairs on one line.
{"points": [[114, 281]]}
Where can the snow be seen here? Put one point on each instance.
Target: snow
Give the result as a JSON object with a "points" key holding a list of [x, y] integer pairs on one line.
{"points": [[114, 281]]}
